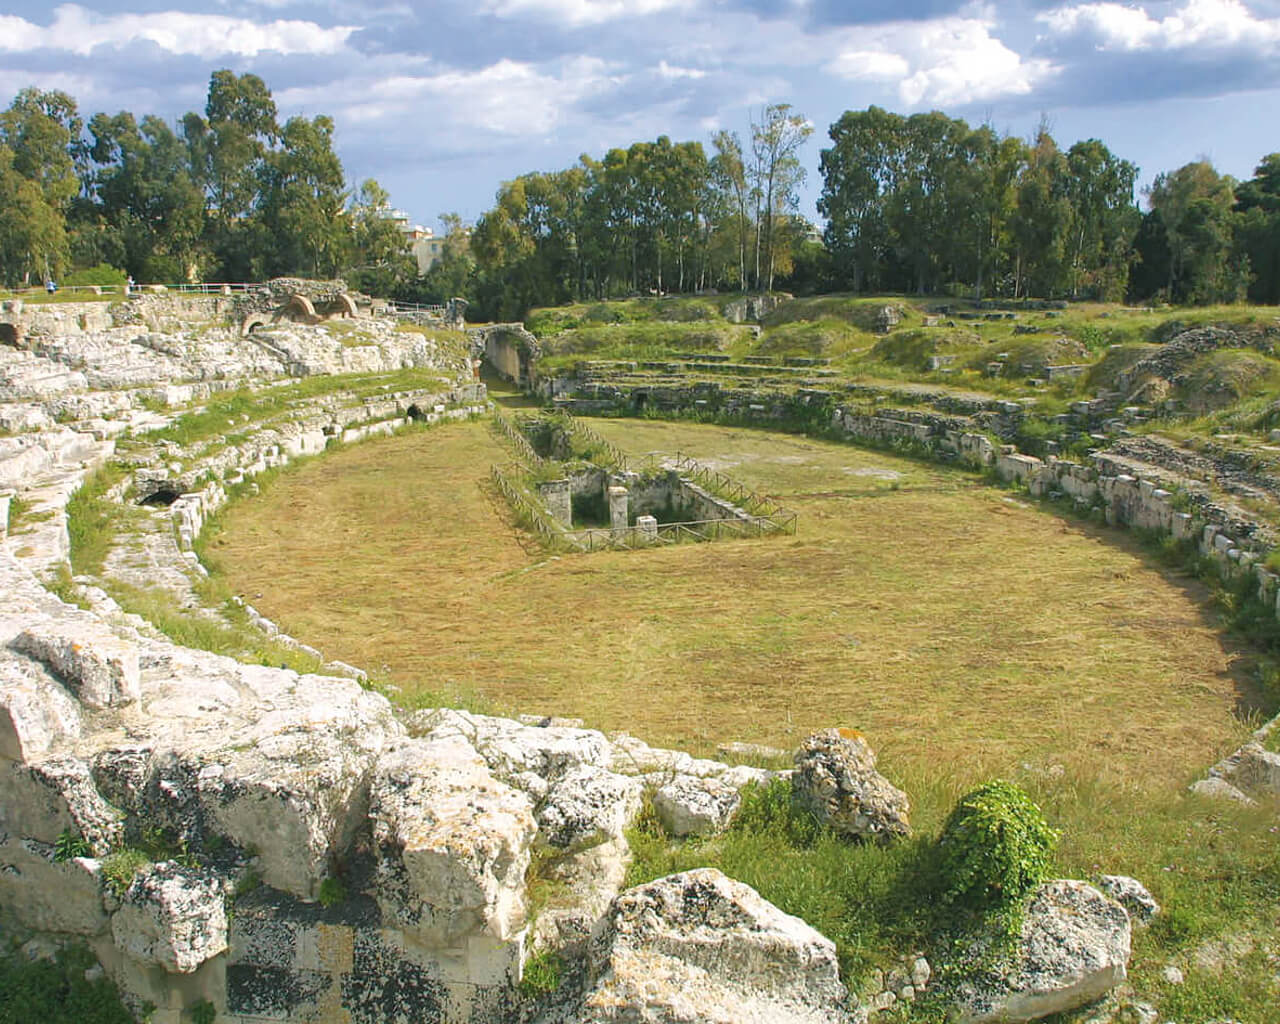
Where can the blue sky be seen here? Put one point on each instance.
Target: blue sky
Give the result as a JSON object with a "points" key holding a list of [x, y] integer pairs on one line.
{"points": [[442, 101]]}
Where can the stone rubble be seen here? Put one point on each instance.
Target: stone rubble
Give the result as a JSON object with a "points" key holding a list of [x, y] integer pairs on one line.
{"points": [[1074, 948], [835, 779], [701, 947]]}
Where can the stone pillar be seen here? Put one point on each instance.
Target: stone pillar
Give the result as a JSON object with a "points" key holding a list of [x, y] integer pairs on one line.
{"points": [[648, 527], [618, 503], [5, 498], [557, 496]]}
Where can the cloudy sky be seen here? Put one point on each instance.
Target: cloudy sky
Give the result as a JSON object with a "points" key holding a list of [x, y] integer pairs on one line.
{"points": [[441, 101]]}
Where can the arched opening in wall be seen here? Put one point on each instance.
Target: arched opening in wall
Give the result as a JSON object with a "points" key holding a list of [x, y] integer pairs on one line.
{"points": [[414, 413], [639, 399], [252, 325], [9, 335], [162, 498], [299, 309]]}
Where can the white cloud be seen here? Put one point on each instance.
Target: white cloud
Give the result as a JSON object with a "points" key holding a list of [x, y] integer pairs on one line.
{"points": [[80, 31], [507, 98], [1202, 24], [944, 61], [671, 72], [579, 12]]}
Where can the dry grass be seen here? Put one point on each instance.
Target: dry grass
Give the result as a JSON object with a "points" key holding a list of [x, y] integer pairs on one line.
{"points": [[948, 620]]}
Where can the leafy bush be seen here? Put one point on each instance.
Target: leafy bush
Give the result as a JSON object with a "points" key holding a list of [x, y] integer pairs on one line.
{"points": [[542, 973], [996, 846], [102, 274], [120, 867], [57, 992], [203, 1012]]}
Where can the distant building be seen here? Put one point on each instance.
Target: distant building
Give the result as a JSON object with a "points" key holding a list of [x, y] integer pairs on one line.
{"points": [[425, 247]]}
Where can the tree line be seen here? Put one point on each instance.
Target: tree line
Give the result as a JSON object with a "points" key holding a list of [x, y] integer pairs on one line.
{"points": [[923, 204], [929, 204], [230, 195]]}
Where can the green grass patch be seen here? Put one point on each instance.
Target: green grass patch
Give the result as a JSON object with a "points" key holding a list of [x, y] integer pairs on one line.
{"points": [[92, 520]]}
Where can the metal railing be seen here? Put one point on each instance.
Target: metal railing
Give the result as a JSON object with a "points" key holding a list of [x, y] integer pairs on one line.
{"points": [[205, 288], [513, 435], [395, 306]]}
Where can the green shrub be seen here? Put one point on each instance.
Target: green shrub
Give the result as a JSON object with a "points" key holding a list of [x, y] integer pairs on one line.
{"points": [[68, 846], [56, 991], [119, 868], [332, 892], [996, 847], [203, 1012], [102, 274]]}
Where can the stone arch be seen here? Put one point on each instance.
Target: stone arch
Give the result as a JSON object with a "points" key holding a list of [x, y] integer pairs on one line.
{"points": [[346, 305], [299, 309], [10, 334], [252, 324]]}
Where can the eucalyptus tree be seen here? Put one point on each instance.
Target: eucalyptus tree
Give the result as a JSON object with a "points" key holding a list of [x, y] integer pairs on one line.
{"points": [[777, 173]]}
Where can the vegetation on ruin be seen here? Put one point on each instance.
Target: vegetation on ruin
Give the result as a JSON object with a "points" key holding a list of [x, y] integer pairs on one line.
{"points": [[56, 991]]}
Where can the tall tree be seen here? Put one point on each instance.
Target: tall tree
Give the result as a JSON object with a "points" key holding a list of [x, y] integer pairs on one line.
{"points": [[303, 200], [775, 144], [1194, 206]]}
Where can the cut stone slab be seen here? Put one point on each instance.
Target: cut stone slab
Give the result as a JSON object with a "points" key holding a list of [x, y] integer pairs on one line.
{"points": [[50, 896], [36, 711], [836, 780], [99, 667], [453, 842], [1074, 949], [44, 800], [702, 947], [173, 917], [689, 806], [587, 806]]}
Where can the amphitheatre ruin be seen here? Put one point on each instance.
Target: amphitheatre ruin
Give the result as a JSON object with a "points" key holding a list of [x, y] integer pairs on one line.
{"points": [[363, 665]]}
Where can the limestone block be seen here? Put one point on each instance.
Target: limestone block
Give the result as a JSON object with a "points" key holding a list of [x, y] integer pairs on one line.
{"points": [[43, 800], [51, 896], [295, 797], [97, 665], [453, 842], [1073, 949], [510, 747], [1259, 769], [587, 806], [690, 806], [35, 710], [1220, 789], [701, 947], [173, 917], [586, 883], [835, 779], [1132, 895]]}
